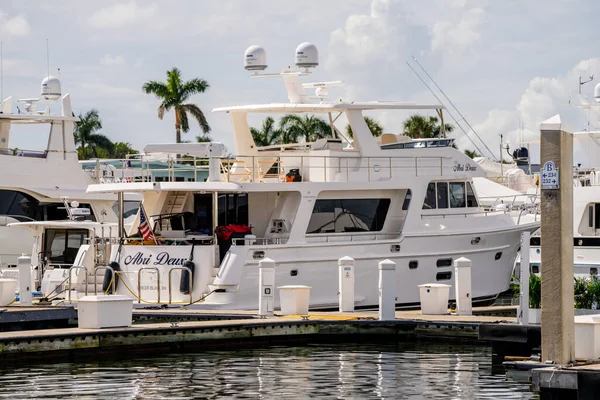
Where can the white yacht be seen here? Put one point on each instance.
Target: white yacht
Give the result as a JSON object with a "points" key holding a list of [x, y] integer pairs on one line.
{"points": [[305, 205]]}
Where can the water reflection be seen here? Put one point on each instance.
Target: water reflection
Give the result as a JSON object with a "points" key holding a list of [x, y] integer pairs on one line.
{"points": [[385, 371]]}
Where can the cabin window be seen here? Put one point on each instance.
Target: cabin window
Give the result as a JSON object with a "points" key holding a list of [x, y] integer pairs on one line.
{"points": [[24, 207], [457, 194], [233, 209], [471, 198], [442, 195], [413, 264], [430, 197], [443, 276], [61, 245], [348, 215], [407, 200], [597, 215], [591, 216]]}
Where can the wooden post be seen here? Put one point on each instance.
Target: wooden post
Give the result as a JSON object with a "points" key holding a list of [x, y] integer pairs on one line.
{"points": [[556, 178]]}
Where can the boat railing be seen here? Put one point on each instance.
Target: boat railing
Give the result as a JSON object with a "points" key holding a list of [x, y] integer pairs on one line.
{"points": [[70, 280], [258, 241], [190, 289], [337, 237], [24, 153], [113, 280], [465, 214], [296, 167]]}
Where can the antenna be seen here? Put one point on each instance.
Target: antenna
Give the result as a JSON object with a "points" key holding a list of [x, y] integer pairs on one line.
{"points": [[1, 76], [48, 57], [581, 83]]}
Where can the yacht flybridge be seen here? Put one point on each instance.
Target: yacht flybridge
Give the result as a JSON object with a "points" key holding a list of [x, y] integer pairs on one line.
{"points": [[305, 205], [34, 184]]}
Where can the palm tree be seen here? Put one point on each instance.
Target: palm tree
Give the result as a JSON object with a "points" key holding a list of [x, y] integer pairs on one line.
{"points": [[86, 134], [122, 149], [203, 139], [472, 153], [174, 93], [374, 126], [309, 127], [418, 126], [267, 135]]}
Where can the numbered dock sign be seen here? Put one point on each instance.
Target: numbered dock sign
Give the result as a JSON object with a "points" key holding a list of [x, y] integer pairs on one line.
{"points": [[550, 177]]}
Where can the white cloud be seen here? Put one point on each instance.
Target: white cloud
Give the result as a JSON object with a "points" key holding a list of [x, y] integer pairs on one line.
{"points": [[123, 14], [109, 60], [452, 37], [15, 26], [103, 90]]}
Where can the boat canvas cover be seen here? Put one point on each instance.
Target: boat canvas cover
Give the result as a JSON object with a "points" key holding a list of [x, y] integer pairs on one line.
{"points": [[491, 194], [514, 177]]}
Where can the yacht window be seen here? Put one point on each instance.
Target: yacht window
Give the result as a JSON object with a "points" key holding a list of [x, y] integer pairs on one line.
{"points": [[406, 200], [597, 215], [233, 209], [442, 195], [430, 197], [443, 276], [61, 245], [471, 198], [348, 215], [444, 262], [457, 194], [591, 216]]}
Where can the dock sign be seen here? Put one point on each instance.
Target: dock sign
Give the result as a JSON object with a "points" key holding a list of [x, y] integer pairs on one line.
{"points": [[550, 176]]}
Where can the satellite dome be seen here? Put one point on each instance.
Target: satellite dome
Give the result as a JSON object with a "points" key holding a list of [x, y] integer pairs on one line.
{"points": [[307, 55], [51, 88], [255, 58], [597, 93]]}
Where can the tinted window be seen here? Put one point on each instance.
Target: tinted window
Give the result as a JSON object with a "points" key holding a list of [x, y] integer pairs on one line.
{"points": [[233, 209], [430, 197], [444, 262], [348, 215], [406, 200], [443, 276], [6, 199], [471, 198], [457, 194], [61, 245], [442, 195]]}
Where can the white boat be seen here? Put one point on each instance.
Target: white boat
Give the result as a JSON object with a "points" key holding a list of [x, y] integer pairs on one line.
{"points": [[33, 184], [305, 205]]}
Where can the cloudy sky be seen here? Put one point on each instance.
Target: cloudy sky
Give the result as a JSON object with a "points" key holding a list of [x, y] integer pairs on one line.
{"points": [[507, 65]]}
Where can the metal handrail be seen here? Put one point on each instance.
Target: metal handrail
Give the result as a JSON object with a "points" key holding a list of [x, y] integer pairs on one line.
{"points": [[189, 282], [113, 280], [140, 283], [69, 280]]}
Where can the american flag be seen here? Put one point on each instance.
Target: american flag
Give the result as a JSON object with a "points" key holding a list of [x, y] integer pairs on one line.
{"points": [[144, 227]]}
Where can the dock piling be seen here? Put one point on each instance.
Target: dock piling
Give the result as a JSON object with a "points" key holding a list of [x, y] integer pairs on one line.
{"points": [[558, 331], [387, 290], [523, 314]]}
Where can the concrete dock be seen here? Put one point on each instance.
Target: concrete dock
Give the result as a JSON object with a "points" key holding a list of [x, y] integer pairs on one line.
{"points": [[184, 329]]}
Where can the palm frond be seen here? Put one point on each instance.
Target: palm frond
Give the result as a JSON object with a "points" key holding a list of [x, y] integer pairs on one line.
{"points": [[161, 111], [158, 89], [192, 87], [183, 119], [100, 140], [197, 113], [174, 82]]}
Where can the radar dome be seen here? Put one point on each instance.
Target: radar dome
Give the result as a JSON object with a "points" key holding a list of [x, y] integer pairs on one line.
{"points": [[597, 93], [307, 55], [255, 59], [51, 88]]}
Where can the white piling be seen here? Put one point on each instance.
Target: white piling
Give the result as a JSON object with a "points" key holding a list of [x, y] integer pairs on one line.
{"points": [[266, 295], [462, 286], [346, 284], [524, 279], [25, 296], [387, 290]]}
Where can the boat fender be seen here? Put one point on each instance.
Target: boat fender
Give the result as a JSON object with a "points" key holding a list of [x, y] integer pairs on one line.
{"points": [[184, 282], [106, 284]]}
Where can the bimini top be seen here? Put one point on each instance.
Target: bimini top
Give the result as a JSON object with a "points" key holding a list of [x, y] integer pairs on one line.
{"points": [[328, 107]]}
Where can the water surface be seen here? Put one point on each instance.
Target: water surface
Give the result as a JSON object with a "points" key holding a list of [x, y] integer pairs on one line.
{"points": [[347, 371]]}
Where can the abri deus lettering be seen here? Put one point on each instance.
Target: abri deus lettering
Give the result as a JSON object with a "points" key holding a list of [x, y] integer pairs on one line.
{"points": [[163, 258]]}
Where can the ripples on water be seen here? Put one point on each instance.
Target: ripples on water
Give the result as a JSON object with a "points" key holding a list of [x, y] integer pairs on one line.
{"points": [[391, 371]]}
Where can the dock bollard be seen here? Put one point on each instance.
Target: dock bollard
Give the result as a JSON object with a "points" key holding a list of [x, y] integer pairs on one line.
{"points": [[346, 284], [462, 286], [266, 286], [387, 290], [24, 263]]}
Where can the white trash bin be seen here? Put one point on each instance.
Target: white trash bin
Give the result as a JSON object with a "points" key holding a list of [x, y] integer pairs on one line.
{"points": [[434, 298], [294, 299], [104, 311], [7, 291]]}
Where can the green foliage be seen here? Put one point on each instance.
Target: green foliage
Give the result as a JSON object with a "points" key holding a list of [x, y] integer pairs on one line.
{"points": [[418, 126], [472, 153], [535, 291], [309, 127], [92, 143], [586, 290], [122, 149], [267, 135], [174, 93], [374, 126]]}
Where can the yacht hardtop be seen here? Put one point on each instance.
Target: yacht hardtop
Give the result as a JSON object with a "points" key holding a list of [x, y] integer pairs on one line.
{"points": [[305, 205]]}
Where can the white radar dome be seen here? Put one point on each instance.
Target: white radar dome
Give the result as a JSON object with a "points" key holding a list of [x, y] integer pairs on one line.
{"points": [[597, 93], [51, 88], [255, 59], [307, 55]]}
